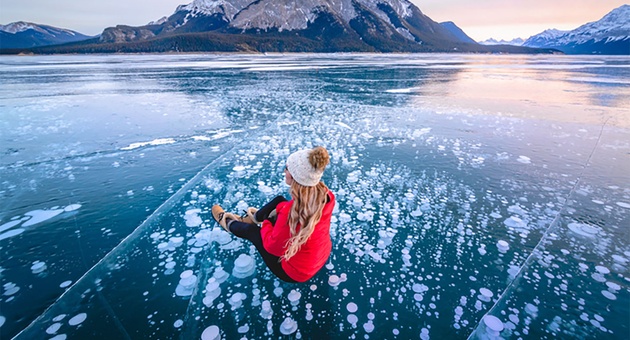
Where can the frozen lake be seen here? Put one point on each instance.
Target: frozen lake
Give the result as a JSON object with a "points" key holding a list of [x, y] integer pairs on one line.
{"points": [[478, 196]]}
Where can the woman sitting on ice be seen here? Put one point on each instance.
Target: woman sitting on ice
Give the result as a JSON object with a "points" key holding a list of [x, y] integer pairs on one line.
{"points": [[294, 240]]}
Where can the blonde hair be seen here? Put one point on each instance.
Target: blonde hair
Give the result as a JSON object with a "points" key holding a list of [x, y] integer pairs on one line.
{"points": [[308, 205]]}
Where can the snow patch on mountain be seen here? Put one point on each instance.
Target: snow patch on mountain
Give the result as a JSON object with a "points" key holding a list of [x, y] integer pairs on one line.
{"points": [[614, 26], [288, 15], [513, 42], [159, 22], [22, 26]]}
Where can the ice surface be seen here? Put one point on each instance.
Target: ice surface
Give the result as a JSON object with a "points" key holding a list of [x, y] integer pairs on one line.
{"points": [[441, 204]]}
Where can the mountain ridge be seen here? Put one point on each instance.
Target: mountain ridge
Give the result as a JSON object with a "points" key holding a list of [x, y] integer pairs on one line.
{"points": [[22, 34], [286, 26]]}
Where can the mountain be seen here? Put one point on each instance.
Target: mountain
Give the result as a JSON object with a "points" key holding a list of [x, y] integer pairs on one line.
{"points": [[25, 34], [513, 42], [457, 32], [344, 25], [286, 26], [609, 35], [546, 37]]}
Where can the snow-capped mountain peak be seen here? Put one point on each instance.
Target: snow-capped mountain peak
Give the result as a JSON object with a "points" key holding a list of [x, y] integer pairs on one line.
{"points": [[23, 34], [609, 35], [614, 25], [513, 42], [20, 26], [287, 15]]}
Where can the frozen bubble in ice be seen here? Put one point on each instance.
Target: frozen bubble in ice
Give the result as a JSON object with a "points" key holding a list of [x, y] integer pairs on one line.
{"points": [[186, 274], [624, 205], [613, 286], [294, 297], [515, 223], [503, 245], [2, 320], [65, 284], [72, 207], [288, 326], [278, 291], [236, 300], [602, 269], [486, 292], [524, 159], [609, 295], [53, 328], [178, 323], [343, 218], [531, 309], [598, 277], [192, 218], [352, 319], [39, 216], [418, 297], [495, 215], [619, 259], [266, 312], [424, 334], [333, 280], [584, 229], [77, 319], [9, 225], [188, 282], [357, 202], [211, 333], [409, 196], [493, 323], [368, 327], [243, 329], [352, 307], [244, 266], [11, 233], [59, 337], [38, 267], [238, 168], [419, 288]]}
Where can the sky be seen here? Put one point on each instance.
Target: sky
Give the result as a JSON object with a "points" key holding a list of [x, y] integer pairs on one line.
{"points": [[481, 19]]}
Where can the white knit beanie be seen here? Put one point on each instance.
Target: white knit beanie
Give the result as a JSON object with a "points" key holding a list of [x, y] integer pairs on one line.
{"points": [[301, 169]]}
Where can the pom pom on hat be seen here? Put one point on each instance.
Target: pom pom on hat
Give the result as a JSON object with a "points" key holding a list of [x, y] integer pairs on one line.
{"points": [[307, 166]]}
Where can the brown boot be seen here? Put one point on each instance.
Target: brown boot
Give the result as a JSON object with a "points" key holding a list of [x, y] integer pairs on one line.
{"points": [[222, 217], [250, 216]]}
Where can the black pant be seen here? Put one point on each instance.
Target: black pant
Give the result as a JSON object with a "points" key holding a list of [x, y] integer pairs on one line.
{"points": [[251, 232]]}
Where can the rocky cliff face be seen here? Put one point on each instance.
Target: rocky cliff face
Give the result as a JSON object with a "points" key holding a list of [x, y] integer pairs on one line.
{"points": [[375, 24]]}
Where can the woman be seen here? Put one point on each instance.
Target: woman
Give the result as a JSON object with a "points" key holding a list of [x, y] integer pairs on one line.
{"points": [[294, 240]]}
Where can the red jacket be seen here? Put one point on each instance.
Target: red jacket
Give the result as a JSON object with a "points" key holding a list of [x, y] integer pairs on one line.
{"points": [[312, 255]]}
